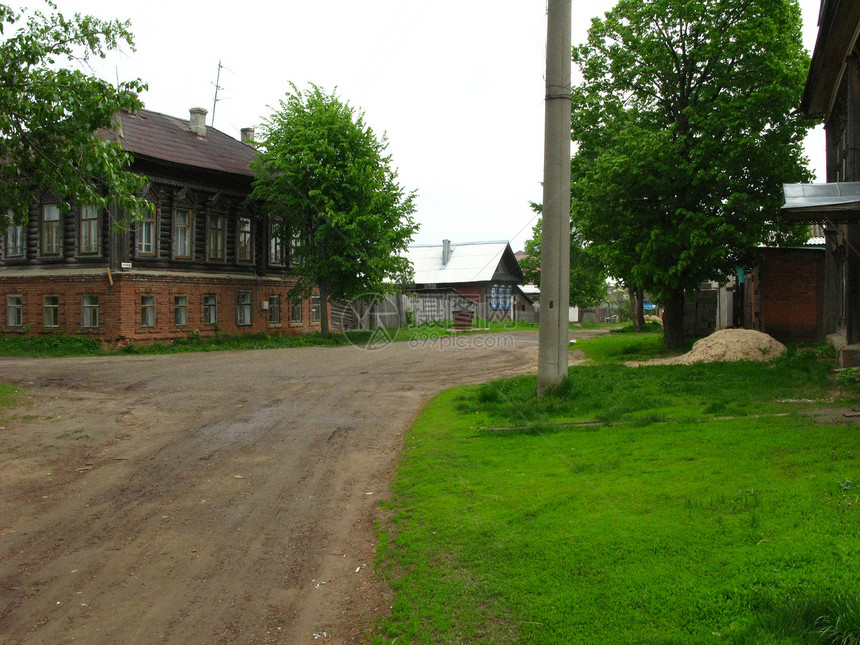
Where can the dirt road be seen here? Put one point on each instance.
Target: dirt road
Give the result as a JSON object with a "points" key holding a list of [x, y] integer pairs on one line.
{"points": [[223, 497]]}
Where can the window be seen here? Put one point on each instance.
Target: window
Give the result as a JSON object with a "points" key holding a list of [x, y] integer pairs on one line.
{"points": [[15, 310], [52, 311], [215, 242], [180, 310], [15, 238], [51, 229], [147, 311], [146, 233], [494, 298], [295, 249], [315, 309], [90, 311], [296, 313], [88, 240], [210, 309], [243, 240], [508, 297], [182, 234], [274, 310], [276, 247], [243, 308]]}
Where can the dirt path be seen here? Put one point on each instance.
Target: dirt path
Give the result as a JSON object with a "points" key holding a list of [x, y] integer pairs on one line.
{"points": [[211, 498]]}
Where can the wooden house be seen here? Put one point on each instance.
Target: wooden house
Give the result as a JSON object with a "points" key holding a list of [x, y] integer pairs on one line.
{"points": [[833, 92], [485, 274], [203, 261]]}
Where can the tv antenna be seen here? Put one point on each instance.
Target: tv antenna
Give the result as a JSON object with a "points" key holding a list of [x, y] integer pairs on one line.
{"points": [[217, 87]]}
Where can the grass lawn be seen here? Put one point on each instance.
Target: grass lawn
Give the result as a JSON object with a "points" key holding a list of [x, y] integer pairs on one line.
{"points": [[665, 504]]}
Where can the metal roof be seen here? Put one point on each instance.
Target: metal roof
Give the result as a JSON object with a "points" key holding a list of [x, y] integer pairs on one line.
{"points": [[168, 139], [470, 262], [833, 201]]}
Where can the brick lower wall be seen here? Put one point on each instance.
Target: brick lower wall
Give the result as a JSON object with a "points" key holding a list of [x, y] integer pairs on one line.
{"points": [[791, 291], [120, 305]]}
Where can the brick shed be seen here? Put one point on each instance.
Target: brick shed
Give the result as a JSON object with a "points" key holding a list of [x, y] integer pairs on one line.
{"points": [[784, 294]]}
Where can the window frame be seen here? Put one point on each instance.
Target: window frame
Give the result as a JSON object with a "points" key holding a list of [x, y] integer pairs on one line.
{"points": [[242, 306], [19, 307], [147, 318], [316, 310], [51, 312], [15, 238], [244, 240], [180, 310], [277, 251], [145, 234], [274, 314], [217, 234], [92, 226], [51, 231], [295, 246], [294, 307], [188, 229], [210, 306], [92, 310]]}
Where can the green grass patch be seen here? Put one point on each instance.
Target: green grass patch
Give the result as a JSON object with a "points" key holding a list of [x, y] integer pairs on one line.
{"points": [[226, 342], [612, 348], [59, 345], [7, 396], [613, 393], [649, 327], [49, 345], [704, 508]]}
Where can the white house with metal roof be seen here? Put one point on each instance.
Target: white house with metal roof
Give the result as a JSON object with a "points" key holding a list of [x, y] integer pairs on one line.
{"points": [[484, 274]]}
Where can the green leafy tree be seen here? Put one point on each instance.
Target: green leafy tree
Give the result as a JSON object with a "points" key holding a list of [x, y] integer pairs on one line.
{"points": [[587, 272], [327, 182], [685, 131], [50, 112]]}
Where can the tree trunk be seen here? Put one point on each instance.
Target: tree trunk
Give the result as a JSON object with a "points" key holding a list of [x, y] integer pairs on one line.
{"points": [[640, 309], [673, 321], [324, 327], [635, 307]]}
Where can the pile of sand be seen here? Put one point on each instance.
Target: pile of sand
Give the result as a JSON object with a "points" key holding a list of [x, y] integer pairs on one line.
{"points": [[656, 319], [727, 345]]}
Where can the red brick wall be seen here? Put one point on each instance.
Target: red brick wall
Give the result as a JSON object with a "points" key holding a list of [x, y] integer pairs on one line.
{"points": [[791, 294], [120, 304]]}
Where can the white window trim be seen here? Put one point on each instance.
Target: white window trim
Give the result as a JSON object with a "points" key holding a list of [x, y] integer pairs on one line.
{"points": [[97, 241], [189, 229]]}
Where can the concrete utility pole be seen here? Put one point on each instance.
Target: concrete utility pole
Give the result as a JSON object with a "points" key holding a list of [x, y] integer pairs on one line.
{"points": [[555, 238]]}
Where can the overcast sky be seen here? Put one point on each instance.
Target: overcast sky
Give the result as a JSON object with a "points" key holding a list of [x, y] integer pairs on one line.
{"points": [[457, 85]]}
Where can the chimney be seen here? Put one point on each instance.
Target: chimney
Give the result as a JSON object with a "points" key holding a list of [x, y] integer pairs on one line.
{"points": [[197, 123], [446, 251], [248, 136]]}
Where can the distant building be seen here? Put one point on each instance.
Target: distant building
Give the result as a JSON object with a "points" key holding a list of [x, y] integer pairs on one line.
{"points": [[483, 276]]}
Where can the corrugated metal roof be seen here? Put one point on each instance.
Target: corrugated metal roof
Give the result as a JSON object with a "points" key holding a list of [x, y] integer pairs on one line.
{"points": [[833, 201], [470, 262], [802, 195], [166, 138]]}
